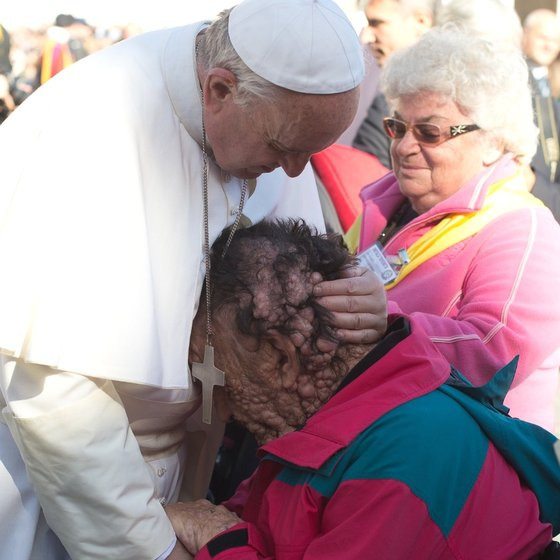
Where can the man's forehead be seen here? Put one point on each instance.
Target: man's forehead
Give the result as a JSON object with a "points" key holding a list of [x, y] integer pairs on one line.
{"points": [[303, 124], [550, 32], [291, 141], [287, 148], [282, 128], [384, 10], [542, 22]]}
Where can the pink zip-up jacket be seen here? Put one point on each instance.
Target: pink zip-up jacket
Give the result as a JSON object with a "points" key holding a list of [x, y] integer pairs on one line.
{"points": [[488, 298]]}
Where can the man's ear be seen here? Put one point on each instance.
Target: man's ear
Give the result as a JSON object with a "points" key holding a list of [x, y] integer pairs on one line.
{"points": [[220, 87], [287, 358], [424, 22]]}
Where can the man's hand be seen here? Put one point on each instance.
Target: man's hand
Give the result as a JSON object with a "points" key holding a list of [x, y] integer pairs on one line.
{"points": [[358, 304], [195, 523]]}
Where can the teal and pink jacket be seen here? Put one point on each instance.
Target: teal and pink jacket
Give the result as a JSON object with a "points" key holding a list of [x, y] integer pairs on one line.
{"points": [[487, 299], [399, 465]]}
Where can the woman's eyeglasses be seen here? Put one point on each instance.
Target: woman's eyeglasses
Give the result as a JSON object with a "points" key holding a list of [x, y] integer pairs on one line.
{"points": [[425, 133]]}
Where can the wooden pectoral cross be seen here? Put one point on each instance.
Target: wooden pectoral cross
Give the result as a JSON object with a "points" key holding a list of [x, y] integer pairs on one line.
{"points": [[209, 375]]}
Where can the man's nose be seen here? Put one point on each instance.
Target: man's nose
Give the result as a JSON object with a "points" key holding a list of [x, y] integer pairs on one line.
{"points": [[294, 164], [367, 35]]}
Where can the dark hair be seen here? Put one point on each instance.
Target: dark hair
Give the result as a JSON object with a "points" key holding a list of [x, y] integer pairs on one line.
{"points": [[266, 273]]}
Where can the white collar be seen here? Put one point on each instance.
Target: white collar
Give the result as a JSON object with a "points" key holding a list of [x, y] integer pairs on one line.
{"points": [[539, 72], [181, 78]]}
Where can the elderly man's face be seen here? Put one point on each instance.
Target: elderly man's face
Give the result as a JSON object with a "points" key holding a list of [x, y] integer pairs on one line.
{"points": [[391, 28], [250, 141], [541, 42]]}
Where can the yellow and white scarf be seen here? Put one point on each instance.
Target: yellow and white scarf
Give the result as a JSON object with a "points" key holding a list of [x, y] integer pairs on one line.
{"points": [[504, 196]]}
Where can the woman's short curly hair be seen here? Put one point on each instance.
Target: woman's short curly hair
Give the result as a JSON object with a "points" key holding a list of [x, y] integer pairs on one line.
{"points": [[490, 84]]}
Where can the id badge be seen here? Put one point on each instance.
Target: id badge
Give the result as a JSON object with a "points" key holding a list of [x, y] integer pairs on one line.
{"points": [[374, 259]]}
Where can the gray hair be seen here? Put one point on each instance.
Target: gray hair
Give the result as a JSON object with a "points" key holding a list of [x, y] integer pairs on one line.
{"points": [[489, 84], [408, 6], [490, 19], [216, 51]]}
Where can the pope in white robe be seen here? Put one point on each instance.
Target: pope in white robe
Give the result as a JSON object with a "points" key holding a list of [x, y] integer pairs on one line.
{"points": [[102, 264]]}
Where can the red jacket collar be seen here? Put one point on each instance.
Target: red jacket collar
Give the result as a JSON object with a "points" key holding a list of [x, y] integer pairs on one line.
{"points": [[411, 369]]}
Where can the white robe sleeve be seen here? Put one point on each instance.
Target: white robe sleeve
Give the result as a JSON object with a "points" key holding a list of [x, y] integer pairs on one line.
{"points": [[84, 463]]}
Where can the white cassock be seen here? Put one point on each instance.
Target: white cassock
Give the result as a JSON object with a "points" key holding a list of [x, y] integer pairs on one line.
{"points": [[101, 248]]}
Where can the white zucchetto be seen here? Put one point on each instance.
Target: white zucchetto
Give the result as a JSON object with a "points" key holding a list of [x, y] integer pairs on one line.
{"points": [[308, 46]]}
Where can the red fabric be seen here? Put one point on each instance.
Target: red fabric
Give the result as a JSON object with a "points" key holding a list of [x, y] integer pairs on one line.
{"points": [[513, 526], [317, 511], [344, 171], [57, 63]]}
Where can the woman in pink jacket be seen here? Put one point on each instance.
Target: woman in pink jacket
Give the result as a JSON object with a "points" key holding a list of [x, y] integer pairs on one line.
{"points": [[464, 248]]}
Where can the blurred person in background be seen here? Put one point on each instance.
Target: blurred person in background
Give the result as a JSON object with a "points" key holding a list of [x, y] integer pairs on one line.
{"points": [[467, 250], [480, 17], [541, 45], [391, 25], [25, 56], [7, 104], [66, 42], [118, 174], [554, 77], [5, 47]]}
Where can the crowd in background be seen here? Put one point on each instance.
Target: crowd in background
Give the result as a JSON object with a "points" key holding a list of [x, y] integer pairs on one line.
{"points": [[29, 56]]}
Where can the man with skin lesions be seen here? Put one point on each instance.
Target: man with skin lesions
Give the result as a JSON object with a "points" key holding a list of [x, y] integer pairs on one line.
{"points": [[385, 436]]}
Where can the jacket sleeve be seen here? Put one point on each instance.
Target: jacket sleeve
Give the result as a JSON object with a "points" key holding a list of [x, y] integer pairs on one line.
{"points": [[84, 463], [395, 518], [508, 303], [371, 137]]}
